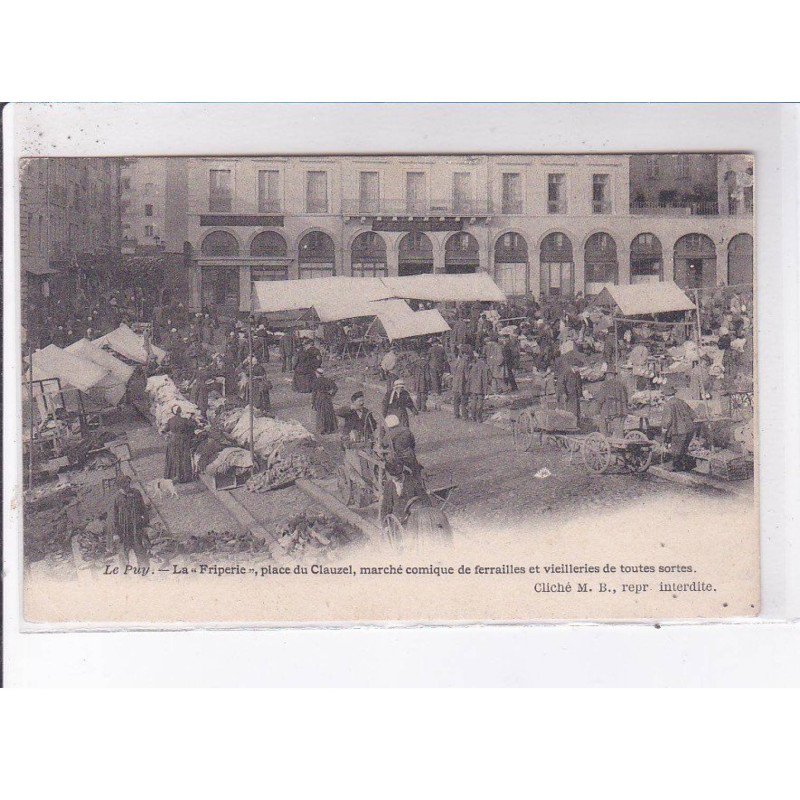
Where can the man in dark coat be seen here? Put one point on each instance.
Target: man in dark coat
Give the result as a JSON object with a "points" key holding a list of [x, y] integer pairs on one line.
{"points": [[401, 447], [287, 350], [612, 404], [421, 372], [401, 487], [569, 388], [460, 371], [359, 423], [322, 402], [677, 427], [438, 360], [129, 521]]}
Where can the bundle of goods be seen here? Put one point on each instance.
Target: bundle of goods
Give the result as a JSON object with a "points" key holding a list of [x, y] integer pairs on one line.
{"points": [[164, 396], [723, 464], [647, 397], [593, 372], [312, 532], [49, 495], [743, 433], [219, 543], [230, 459], [282, 470], [268, 434]]}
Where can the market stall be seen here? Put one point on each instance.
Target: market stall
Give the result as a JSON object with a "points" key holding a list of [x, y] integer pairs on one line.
{"points": [[131, 346]]}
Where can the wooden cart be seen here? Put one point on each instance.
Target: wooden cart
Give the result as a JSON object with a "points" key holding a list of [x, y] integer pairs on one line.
{"points": [[537, 425], [633, 452]]}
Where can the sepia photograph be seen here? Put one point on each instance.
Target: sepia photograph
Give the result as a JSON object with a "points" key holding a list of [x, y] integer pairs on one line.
{"points": [[388, 387]]}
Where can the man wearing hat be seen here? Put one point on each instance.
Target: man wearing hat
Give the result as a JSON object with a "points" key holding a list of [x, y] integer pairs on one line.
{"points": [[359, 423], [129, 521], [460, 370], [478, 383], [677, 427], [401, 487], [438, 361], [401, 445], [397, 401], [322, 402], [612, 404]]}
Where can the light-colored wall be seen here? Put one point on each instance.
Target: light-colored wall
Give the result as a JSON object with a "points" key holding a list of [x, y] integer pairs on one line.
{"points": [[343, 222]]}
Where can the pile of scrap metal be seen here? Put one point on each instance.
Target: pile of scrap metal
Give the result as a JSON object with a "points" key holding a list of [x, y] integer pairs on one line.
{"points": [[309, 533]]}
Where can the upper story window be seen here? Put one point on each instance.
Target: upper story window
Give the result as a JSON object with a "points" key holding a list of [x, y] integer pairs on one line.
{"points": [[415, 192], [651, 167], [148, 230], [317, 192], [462, 192], [269, 198], [125, 184], [601, 194], [556, 194], [512, 193], [220, 196], [682, 166], [148, 209], [368, 191]]}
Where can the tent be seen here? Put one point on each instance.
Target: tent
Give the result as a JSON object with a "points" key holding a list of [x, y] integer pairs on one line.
{"points": [[72, 370], [636, 300], [306, 293], [446, 288], [400, 322], [94, 383], [130, 345], [115, 384], [335, 296]]}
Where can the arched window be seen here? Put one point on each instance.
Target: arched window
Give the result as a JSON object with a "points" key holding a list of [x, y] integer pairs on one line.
{"points": [[368, 255], [268, 244], [415, 254], [316, 255], [220, 243], [647, 262], [461, 253], [740, 260], [557, 273], [511, 263], [695, 259], [600, 260], [272, 246]]}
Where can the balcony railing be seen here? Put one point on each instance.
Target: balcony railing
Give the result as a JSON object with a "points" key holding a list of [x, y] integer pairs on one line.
{"points": [[414, 208]]}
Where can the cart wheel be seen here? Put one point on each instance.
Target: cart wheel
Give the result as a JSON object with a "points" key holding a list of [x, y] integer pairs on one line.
{"points": [[344, 486], [597, 452], [393, 530], [523, 431], [638, 451]]}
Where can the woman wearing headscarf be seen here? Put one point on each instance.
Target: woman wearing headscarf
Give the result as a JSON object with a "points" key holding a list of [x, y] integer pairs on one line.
{"points": [[322, 402], [178, 465], [398, 401]]}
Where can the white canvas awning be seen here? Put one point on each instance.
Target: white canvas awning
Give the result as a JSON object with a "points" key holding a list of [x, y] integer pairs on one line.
{"points": [[305, 293], [642, 299], [446, 288], [336, 298], [71, 370], [114, 385], [400, 322], [124, 341]]}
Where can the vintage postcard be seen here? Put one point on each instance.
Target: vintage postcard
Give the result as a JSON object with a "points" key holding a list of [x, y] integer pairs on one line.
{"points": [[387, 388]]}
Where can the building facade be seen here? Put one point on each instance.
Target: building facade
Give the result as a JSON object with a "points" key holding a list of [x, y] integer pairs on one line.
{"points": [[543, 225], [69, 220]]}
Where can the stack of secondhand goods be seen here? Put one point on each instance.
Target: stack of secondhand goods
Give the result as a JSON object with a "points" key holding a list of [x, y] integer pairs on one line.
{"points": [[282, 469], [268, 433], [309, 533], [164, 396]]}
